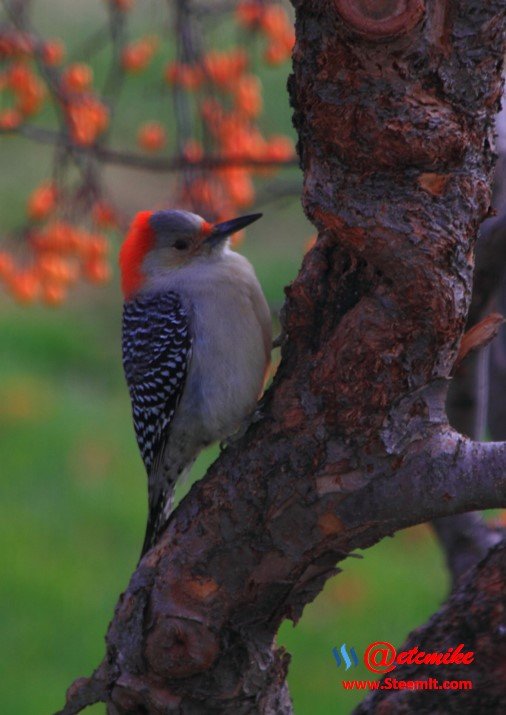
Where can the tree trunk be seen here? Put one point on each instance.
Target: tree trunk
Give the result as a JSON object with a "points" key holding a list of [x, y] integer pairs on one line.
{"points": [[394, 104]]}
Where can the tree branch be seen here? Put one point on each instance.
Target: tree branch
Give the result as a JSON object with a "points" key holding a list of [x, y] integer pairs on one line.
{"points": [[138, 161]]}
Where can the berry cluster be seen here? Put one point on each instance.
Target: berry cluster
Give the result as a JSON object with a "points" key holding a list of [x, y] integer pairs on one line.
{"points": [[222, 152], [272, 21], [62, 253], [23, 92], [229, 100]]}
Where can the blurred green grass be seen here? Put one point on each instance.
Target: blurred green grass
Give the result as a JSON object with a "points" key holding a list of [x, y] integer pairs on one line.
{"points": [[72, 486]]}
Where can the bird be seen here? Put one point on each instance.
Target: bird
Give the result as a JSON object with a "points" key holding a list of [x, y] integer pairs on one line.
{"points": [[196, 343]]}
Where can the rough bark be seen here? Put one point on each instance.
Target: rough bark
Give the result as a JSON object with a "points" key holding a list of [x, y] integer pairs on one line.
{"points": [[474, 615], [394, 104]]}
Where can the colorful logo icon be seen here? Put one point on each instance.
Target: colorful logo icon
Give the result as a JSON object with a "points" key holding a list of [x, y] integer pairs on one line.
{"points": [[342, 656]]}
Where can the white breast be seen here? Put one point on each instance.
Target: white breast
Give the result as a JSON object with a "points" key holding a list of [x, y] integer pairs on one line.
{"points": [[231, 329]]}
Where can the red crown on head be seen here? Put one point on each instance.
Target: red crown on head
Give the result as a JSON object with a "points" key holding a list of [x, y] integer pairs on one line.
{"points": [[139, 240]]}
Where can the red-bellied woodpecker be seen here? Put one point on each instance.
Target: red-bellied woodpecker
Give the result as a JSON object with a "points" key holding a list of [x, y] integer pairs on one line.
{"points": [[196, 343]]}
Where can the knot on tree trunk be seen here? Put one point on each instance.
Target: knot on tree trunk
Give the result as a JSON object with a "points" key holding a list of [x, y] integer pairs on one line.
{"points": [[403, 127], [415, 130], [178, 648], [378, 20]]}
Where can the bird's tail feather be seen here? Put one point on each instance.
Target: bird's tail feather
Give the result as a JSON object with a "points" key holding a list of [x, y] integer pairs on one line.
{"points": [[161, 499], [157, 519]]}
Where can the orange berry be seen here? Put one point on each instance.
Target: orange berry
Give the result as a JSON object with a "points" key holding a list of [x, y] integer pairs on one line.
{"points": [[187, 76], [279, 148], [72, 273], [97, 271], [151, 136], [223, 68], [248, 95], [193, 150], [30, 100], [288, 40], [51, 267], [211, 111], [53, 52], [103, 215], [67, 271], [97, 246], [238, 61], [53, 294], [27, 87], [19, 76], [137, 55], [6, 265], [171, 72], [274, 21], [42, 201], [10, 119], [190, 78], [77, 77], [239, 138], [61, 234], [56, 236], [88, 118], [25, 287], [249, 12], [201, 192], [215, 69], [76, 241], [239, 186], [275, 54]]}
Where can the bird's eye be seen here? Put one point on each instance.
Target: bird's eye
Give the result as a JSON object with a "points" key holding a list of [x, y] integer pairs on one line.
{"points": [[180, 245]]}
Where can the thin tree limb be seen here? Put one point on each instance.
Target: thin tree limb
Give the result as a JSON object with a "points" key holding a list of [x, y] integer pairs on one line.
{"points": [[138, 161]]}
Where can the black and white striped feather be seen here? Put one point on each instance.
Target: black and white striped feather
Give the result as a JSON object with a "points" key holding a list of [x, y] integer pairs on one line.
{"points": [[156, 355]]}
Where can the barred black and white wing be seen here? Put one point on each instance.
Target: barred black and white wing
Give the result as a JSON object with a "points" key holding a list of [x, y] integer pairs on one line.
{"points": [[156, 355]]}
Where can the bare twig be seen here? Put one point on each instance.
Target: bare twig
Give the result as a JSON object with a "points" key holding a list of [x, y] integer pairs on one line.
{"points": [[144, 163]]}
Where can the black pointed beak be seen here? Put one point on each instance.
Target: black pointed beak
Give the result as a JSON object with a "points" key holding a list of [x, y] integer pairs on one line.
{"points": [[223, 230]]}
